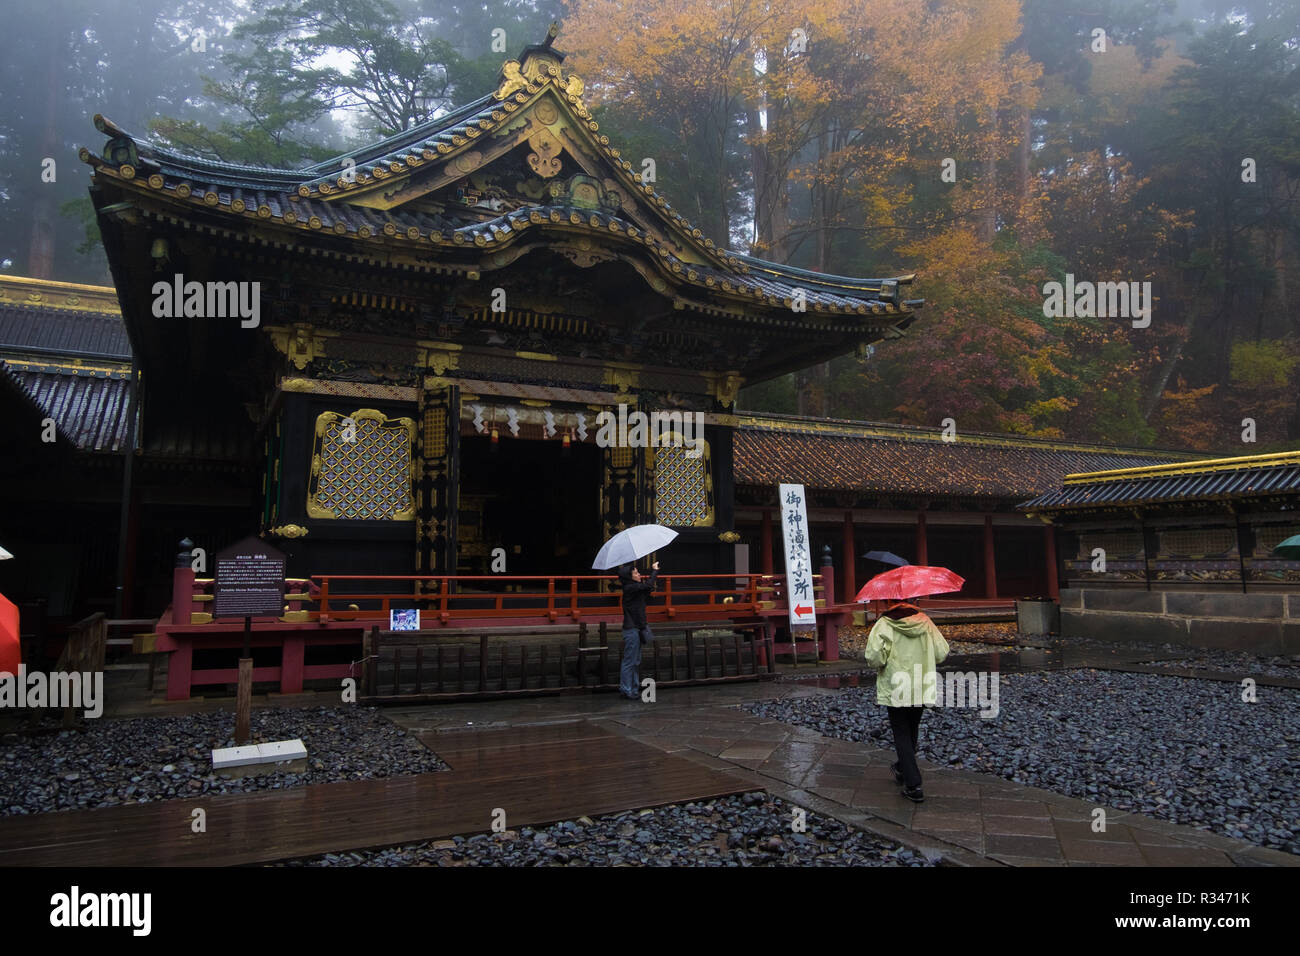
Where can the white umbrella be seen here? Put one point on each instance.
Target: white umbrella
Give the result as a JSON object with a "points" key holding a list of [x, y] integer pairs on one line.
{"points": [[632, 543], [5, 555]]}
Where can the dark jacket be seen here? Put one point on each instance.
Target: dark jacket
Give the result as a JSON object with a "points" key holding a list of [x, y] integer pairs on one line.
{"points": [[635, 595]]}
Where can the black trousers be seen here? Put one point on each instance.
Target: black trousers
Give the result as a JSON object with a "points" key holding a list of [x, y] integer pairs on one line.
{"points": [[906, 724]]}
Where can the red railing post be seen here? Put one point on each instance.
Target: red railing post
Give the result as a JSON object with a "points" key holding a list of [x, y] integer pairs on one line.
{"points": [[324, 599]]}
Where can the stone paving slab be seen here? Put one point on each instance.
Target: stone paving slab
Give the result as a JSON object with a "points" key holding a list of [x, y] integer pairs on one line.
{"points": [[973, 819], [975, 816]]}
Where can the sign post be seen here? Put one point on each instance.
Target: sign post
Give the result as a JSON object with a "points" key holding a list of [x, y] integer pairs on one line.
{"points": [[249, 582], [799, 591]]}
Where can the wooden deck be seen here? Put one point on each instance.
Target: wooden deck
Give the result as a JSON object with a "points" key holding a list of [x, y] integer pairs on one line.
{"points": [[538, 775]]}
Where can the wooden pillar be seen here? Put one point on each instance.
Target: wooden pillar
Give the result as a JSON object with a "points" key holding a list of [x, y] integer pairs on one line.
{"points": [[922, 557], [132, 553], [1049, 544], [243, 701], [830, 634], [990, 569], [766, 545], [292, 658], [850, 570], [180, 666]]}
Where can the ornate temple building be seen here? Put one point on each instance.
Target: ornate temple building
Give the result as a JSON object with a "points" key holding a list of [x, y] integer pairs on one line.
{"points": [[405, 350], [405, 361]]}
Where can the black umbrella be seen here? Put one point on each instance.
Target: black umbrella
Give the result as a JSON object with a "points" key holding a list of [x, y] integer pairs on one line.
{"points": [[886, 557]]}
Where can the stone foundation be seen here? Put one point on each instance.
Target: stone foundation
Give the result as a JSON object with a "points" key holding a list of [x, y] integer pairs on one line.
{"points": [[1264, 624]]}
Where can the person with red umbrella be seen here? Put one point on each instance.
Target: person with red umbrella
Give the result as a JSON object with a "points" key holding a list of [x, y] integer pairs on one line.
{"points": [[905, 647]]}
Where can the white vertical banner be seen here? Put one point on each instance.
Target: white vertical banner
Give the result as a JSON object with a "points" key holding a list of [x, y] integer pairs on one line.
{"points": [[799, 590]]}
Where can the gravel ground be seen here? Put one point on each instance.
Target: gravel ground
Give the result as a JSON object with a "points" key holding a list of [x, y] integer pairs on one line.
{"points": [[1203, 658], [1186, 751], [744, 830], [116, 762], [998, 636]]}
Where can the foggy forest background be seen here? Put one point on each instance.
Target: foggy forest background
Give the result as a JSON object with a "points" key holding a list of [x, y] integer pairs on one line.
{"points": [[1123, 164]]}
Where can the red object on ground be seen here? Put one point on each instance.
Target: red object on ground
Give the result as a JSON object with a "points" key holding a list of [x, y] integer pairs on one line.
{"points": [[909, 582], [10, 648]]}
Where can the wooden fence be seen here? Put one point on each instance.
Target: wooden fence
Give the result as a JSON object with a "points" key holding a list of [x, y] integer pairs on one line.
{"points": [[416, 666]]}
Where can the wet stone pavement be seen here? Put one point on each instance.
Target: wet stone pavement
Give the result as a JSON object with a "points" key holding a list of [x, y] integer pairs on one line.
{"points": [[740, 831], [968, 818]]}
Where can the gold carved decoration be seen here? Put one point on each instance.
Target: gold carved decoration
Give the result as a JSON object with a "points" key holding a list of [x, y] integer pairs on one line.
{"points": [[546, 111], [574, 86], [584, 256], [729, 537], [725, 388], [511, 80], [545, 158], [300, 342], [466, 162], [362, 467], [289, 531], [623, 379], [441, 361]]}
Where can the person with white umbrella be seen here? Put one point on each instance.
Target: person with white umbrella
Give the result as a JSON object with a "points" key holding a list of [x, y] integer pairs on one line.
{"points": [[623, 549], [636, 592]]}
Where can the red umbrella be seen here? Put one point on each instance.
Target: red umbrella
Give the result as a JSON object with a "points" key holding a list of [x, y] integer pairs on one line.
{"points": [[909, 582]]}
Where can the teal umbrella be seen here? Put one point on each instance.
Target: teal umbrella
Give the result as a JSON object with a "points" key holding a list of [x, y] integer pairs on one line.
{"points": [[1290, 548]]}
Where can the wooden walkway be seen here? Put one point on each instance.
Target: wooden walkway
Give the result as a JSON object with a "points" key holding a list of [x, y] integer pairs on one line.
{"points": [[538, 775]]}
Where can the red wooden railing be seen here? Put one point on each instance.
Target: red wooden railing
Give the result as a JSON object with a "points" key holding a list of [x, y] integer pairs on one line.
{"points": [[499, 599], [446, 598]]}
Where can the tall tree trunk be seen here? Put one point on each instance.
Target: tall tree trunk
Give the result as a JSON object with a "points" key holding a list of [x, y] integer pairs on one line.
{"points": [[988, 219], [40, 253], [771, 201]]}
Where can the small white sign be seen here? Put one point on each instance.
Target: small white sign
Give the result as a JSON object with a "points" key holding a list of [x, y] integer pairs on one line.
{"points": [[799, 591], [407, 619]]}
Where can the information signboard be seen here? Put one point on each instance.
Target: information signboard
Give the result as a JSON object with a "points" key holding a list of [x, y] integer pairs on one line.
{"points": [[249, 581], [800, 593]]}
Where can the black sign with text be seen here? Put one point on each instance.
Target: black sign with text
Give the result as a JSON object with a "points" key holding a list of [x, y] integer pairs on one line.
{"points": [[249, 581]]}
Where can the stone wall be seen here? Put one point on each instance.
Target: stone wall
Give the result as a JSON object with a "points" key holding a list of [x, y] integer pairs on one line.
{"points": [[1266, 624]]}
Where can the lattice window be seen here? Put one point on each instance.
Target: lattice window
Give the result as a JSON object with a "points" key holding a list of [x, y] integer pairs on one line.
{"points": [[361, 467], [435, 432], [1269, 536], [621, 457], [1198, 542], [683, 485], [1120, 544]]}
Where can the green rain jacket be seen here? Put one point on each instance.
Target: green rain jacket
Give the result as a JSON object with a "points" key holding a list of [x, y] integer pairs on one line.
{"points": [[905, 653]]}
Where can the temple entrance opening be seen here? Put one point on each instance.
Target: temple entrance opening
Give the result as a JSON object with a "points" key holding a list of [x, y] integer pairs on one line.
{"points": [[536, 500]]}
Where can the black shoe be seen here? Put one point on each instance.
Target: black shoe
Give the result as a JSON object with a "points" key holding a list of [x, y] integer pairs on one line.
{"points": [[914, 794], [898, 774]]}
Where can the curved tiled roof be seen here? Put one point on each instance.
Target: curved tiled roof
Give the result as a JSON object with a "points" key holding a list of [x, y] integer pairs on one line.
{"points": [[1249, 476], [64, 332], [315, 198], [89, 407], [890, 459]]}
